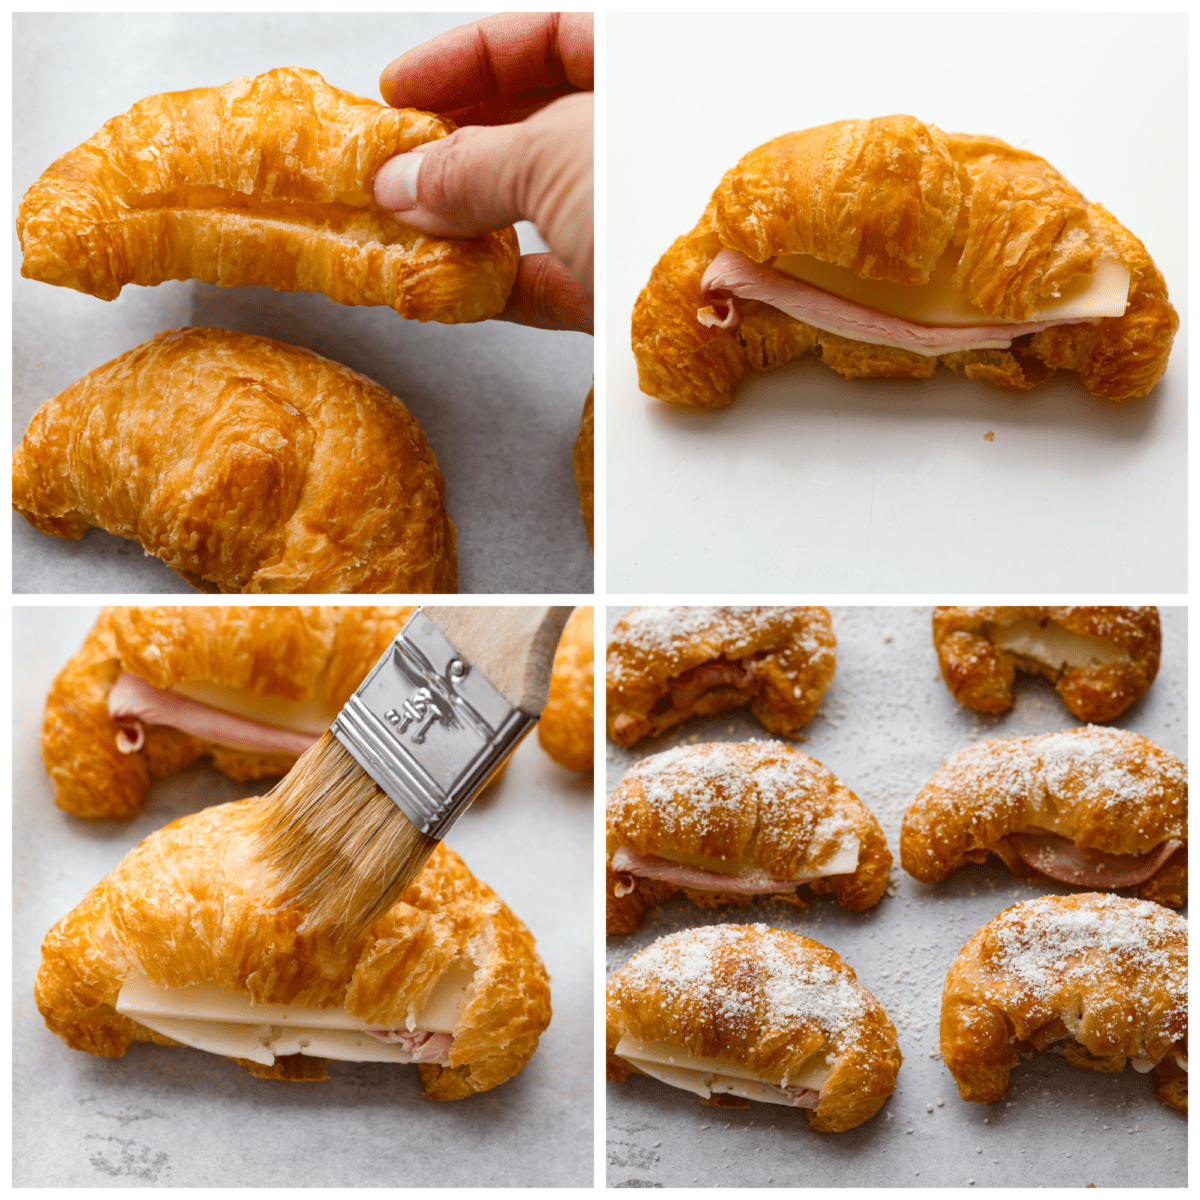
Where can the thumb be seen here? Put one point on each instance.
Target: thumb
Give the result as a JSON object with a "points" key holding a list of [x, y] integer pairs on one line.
{"points": [[481, 178]]}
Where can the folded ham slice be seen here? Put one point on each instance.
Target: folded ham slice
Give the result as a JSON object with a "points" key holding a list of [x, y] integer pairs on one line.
{"points": [[731, 275], [1059, 858], [132, 701], [628, 862], [687, 688], [422, 1044]]}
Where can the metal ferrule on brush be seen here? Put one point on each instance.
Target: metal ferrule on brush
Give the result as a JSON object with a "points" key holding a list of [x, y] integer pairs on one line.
{"points": [[427, 727]]}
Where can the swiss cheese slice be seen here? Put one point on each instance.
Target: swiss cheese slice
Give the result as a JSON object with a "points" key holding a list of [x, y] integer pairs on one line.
{"points": [[303, 716], [844, 861], [673, 1064], [1104, 293], [1052, 645]]}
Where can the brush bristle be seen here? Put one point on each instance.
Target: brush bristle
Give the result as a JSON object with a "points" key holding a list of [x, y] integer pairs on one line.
{"points": [[343, 850]]}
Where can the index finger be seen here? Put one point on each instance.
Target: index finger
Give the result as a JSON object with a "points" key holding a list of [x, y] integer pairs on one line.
{"points": [[498, 56]]}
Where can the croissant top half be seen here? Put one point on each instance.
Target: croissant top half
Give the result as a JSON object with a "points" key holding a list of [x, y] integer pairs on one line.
{"points": [[263, 181]]}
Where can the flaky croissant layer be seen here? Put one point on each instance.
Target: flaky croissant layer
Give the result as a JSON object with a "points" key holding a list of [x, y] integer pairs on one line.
{"points": [[246, 465], [193, 904], [264, 181], [886, 198]]}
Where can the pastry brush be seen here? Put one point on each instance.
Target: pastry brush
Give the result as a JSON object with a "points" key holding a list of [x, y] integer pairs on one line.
{"points": [[354, 821]]}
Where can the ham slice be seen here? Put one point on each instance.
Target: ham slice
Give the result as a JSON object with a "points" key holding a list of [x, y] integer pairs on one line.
{"points": [[731, 275], [629, 862], [802, 1097], [422, 1044], [1061, 859], [133, 701], [687, 688]]}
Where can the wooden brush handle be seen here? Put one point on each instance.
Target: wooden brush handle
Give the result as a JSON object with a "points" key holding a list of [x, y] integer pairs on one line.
{"points": [[513, 647]]}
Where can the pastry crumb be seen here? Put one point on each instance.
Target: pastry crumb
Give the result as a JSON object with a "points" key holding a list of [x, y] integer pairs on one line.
{"points": [[989, 436]]}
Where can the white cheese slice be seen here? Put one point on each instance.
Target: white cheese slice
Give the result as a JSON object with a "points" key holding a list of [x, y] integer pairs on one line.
{"points": [[843, 862], [673, 1064], [303, 716], [938, 302], [1052, 646], [210, 1018]]}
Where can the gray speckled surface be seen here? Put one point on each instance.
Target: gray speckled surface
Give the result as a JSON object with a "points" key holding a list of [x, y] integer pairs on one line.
{"points": [[176, 1117], [500, 403], [885, 725]]}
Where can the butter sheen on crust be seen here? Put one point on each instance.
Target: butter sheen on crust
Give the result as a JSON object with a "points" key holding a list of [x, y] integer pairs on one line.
{"points": [[777, 660], [1101, 977], [1104, 789], [246, 465], [760, 802], [763, 998], [885, 198], [263, 181], [980, 674], [191, 905], [285, 651]]}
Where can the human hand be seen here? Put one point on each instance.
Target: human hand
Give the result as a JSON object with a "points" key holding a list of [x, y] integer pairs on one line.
{"points": [[522, 83]]}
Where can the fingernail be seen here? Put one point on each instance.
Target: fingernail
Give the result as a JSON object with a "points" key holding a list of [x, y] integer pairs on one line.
{"points": [[396, 182]]}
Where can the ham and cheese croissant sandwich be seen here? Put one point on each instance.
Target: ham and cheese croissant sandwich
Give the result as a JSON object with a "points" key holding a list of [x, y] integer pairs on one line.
{"points": [[1100, 979], [154, 689], [566, 726], [264, 181], [736, 1013], [1101, 659], [1094, 807], [184, 943], [888, 246], [246, 465], [729, 821], [667, 664]]}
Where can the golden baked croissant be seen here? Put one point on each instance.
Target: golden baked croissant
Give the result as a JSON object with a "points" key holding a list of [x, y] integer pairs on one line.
{"points": [[119, 712], [667, 664], [728, 821], [1101, 659], [246, 465], [263, 181], [892, 246], [178, 941], [736, 1013], [1100, 979], [584, 462], [1095, 807], [566, 728]]}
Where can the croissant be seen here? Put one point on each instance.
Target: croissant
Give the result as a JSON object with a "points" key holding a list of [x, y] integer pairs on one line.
{"points": [[566, 726], [263, 181], [246, 465], [729, 821], [1100, 979], [268, 679], [1101, 659], [888, 247], [667, 664], [1095, 807], [179, 941], [736, 1013], [584, 462]]}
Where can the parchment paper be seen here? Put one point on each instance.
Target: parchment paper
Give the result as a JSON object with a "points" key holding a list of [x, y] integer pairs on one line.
{"points": [[500, 403], [177, 1117], [885, 725]]}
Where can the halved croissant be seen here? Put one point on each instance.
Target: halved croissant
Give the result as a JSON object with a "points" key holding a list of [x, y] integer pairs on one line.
{"points": [[885, 199], [263, 181], [734, 1012], [566, 726], [1102, 979], [728, 821], [1097, 807], [246, 465], [277, 652], [667, 664], [1100, 659], [193, 905]]}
